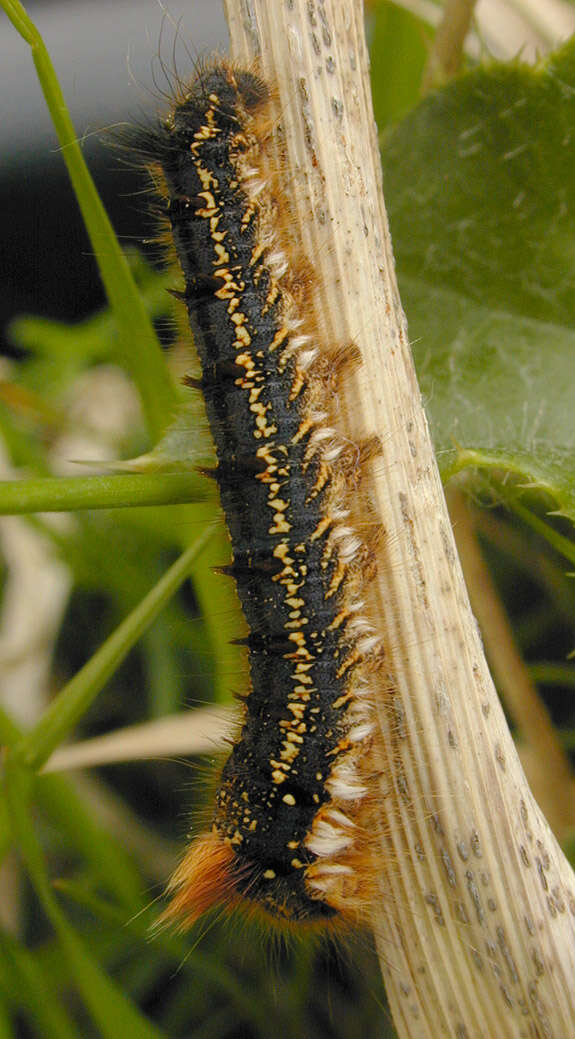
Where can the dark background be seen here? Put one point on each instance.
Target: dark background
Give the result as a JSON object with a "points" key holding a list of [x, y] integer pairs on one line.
{"points": [[108, 57]]}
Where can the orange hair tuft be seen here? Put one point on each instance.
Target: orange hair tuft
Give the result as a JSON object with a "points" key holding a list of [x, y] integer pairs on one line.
{"points": [[203, 879]]}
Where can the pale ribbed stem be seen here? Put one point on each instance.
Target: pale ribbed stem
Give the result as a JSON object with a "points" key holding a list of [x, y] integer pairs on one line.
{"points": [[475, 922]]}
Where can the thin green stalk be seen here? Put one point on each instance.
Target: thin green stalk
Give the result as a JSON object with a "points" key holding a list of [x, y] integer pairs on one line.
{"points": [[140, 352], [57, 797], [5, 828], [559, 542], [32, 993], [64, 494], [113, 1013], [76, 697], [6, 1031], [9, 731], [467, 457], [552, 674], [83, 830]]}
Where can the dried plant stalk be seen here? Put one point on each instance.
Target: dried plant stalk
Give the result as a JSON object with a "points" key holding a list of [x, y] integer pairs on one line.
{"points": [[475, 921]]}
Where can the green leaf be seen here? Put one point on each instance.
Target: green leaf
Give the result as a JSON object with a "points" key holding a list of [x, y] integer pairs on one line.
{"points": [[71, 703], [205, 971], [112, 1011], [31, 994], [6, 1031], [62, 805], [186, 443], [480, 184], [399, 54], [77, 824]]}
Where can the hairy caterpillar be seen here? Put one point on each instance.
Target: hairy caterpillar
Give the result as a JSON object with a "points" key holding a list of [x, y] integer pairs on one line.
{"points": [[283, 835]]}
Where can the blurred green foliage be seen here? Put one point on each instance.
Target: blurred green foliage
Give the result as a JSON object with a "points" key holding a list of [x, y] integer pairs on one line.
{"points": [[480, 185]]}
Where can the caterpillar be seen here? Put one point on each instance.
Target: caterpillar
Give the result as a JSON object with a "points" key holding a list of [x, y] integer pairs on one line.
{"points": [[285, 826]]}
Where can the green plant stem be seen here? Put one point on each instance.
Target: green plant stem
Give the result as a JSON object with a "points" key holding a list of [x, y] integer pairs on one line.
{"points": [[560, 543], [57, 797], [24, 975], [552, 674], [112, 1011], [75, 698], [9, 731], [140, 352], [64, 494], [484, 460]]}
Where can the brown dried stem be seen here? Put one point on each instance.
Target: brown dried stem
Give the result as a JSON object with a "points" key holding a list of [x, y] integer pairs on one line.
{"points": [[446, 53]]}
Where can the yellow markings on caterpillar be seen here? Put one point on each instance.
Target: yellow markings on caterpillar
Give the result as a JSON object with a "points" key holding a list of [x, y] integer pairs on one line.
{"points": [[297, 709], [295, 622], [279, 338], [211, 208], [297, 385], [289, 752], [323, 476], [246, 361], [305, 427], [350, 661], [342, 700], [248, 214], [207, 179], [339, 619], [340, 747], [278, 504], [299, 638], [337, 578], [263, 428], [294, 737], [280, 525], [272, 296], [322, 527], [230, 288], [304, 679], [222, 254]]}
